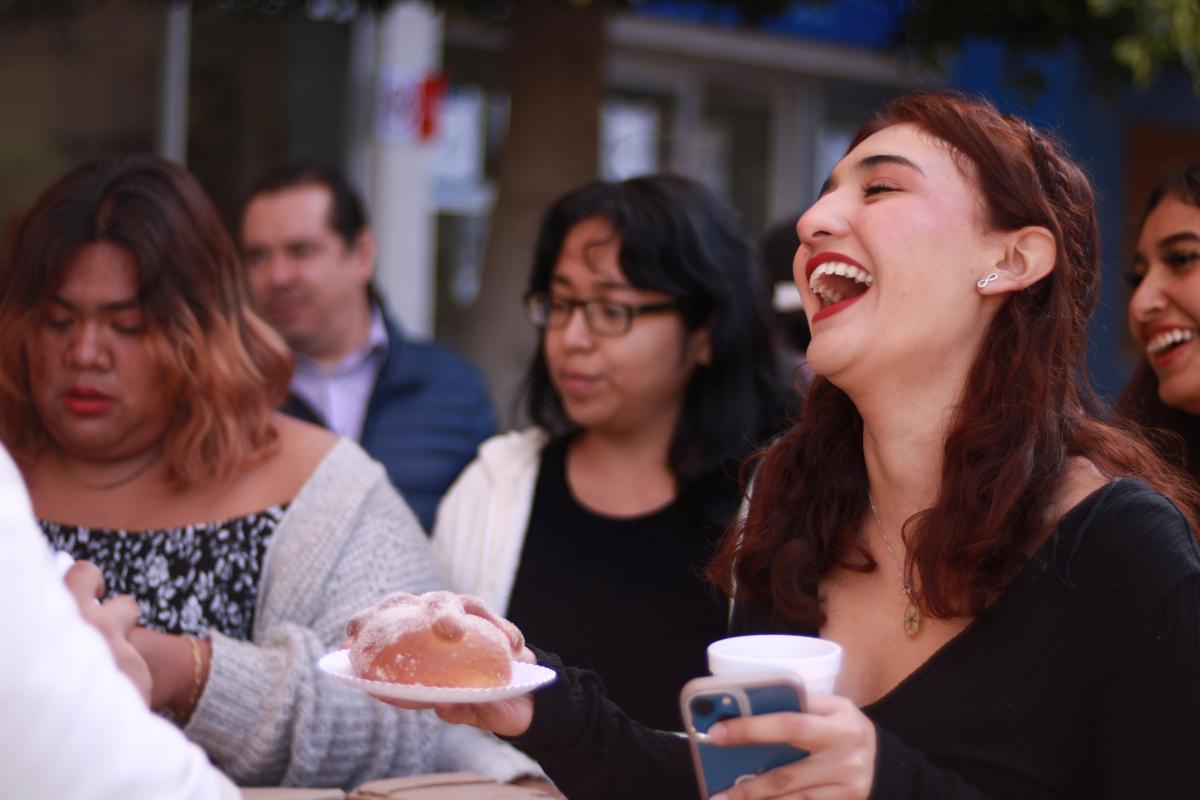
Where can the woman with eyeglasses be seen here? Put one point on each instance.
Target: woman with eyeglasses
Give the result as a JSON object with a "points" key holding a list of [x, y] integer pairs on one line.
{"points": [[654, 377]]}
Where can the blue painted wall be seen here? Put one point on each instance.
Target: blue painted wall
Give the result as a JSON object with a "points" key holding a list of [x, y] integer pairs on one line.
{"points": [[1092, 120], [1090, 124], [857, 23]]}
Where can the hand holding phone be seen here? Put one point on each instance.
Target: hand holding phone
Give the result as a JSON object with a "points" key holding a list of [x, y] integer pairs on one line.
{"points": [[707, 701]]}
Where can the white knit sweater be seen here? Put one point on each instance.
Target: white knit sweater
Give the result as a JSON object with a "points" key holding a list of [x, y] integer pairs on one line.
{"points": [[481, 523], [477, 540], [267, 715]]}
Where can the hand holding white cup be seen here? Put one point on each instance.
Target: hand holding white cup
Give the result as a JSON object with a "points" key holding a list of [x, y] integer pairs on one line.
{"points": [[816, 661]]}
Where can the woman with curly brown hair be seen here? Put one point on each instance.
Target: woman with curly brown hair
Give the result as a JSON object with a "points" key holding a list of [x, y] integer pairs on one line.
{"points": [[137, 394], [1014, 582]]}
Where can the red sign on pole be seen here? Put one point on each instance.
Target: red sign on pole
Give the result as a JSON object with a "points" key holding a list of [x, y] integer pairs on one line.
{"points": [[409, 106]]}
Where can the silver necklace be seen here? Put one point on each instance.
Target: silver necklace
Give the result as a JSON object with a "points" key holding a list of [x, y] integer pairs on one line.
{"points": [[912, 614], [101, 486]]}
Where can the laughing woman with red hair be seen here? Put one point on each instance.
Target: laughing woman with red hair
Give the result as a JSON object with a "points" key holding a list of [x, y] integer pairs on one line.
{"points": [[1014, 582], [137, 395]]}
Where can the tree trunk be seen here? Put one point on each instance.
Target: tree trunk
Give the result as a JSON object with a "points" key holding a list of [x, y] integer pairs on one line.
{"points": [[557, 86]]}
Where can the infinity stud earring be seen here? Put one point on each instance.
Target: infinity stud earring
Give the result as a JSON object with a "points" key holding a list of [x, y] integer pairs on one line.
{"points": [[983, 282]]}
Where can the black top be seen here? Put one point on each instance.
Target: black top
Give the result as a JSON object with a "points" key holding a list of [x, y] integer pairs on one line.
{"points": [[185, 580], [1081, 681], [626, 597]]}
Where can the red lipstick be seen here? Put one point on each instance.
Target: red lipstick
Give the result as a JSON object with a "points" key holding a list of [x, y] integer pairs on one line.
{"points": [[829, 311], [824, 258], [84, 401]]}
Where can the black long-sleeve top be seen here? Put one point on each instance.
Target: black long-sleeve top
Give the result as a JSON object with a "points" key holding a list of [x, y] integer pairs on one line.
{"points": [[646, 640], [1081, 681]]}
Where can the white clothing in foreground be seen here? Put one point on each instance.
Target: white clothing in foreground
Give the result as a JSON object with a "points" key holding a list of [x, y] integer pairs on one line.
{"points": [[73, 725]]}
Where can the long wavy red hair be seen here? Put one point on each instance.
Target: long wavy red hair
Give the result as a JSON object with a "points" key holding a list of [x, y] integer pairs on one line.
{"points": [[227, 369], [1027, 408]]}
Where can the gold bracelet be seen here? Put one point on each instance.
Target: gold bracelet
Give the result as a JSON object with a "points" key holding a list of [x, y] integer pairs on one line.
{"points": [[197, 668]]}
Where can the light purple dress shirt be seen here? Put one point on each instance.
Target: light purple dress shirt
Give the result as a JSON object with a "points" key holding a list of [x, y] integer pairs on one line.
{"points": [[340, 394]]}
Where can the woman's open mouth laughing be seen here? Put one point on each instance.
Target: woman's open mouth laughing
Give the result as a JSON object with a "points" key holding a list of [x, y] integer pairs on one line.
{"points": [[837, 282], [1164, 344]]}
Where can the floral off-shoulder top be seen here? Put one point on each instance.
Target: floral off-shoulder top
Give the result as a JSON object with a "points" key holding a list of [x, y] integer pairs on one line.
{"points": [[185, 580]]}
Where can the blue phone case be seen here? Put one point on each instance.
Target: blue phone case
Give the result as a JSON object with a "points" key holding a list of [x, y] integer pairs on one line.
{"points": [[706, 701]]}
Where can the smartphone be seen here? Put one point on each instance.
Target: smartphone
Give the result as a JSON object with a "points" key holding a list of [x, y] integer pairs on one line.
{"points": [[707, 701]]}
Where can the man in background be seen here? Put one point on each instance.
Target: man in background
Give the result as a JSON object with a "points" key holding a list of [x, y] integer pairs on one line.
{"points": [[415, 406]]}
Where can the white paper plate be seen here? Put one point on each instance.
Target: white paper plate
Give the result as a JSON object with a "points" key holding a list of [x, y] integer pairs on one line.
{"points": [[525, 678]]}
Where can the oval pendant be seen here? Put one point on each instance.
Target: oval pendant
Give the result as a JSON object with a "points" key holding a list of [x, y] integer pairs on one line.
{"points": [[912, 619]]}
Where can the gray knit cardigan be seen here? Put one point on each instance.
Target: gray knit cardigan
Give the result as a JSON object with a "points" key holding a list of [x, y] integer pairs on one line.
{"points": [[268, 715]]}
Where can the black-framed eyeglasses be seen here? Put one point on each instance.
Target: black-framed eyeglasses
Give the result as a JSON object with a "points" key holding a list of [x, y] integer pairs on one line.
{"points": [[603, 317]]}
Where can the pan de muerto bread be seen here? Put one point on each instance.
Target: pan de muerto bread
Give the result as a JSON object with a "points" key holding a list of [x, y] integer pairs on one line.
{"points": [[434, 639]]}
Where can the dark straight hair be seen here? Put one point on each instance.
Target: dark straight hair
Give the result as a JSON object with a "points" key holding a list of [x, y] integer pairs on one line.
{"points": [[677, 237], [347, 215]]}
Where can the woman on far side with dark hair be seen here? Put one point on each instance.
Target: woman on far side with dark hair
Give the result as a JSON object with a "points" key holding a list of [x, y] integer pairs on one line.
{"points": [[653, 378], [1164, 316]]}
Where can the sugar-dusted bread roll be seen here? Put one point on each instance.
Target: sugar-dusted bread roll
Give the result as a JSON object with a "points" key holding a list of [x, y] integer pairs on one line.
{"points": [[434, 639]]}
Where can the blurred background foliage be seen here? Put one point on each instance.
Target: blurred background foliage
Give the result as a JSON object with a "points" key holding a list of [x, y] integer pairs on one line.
{"points": [[1120, 38], [270, 79]]}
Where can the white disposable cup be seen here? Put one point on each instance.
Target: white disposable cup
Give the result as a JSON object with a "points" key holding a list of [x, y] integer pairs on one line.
{"points": [[816, 661]]}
